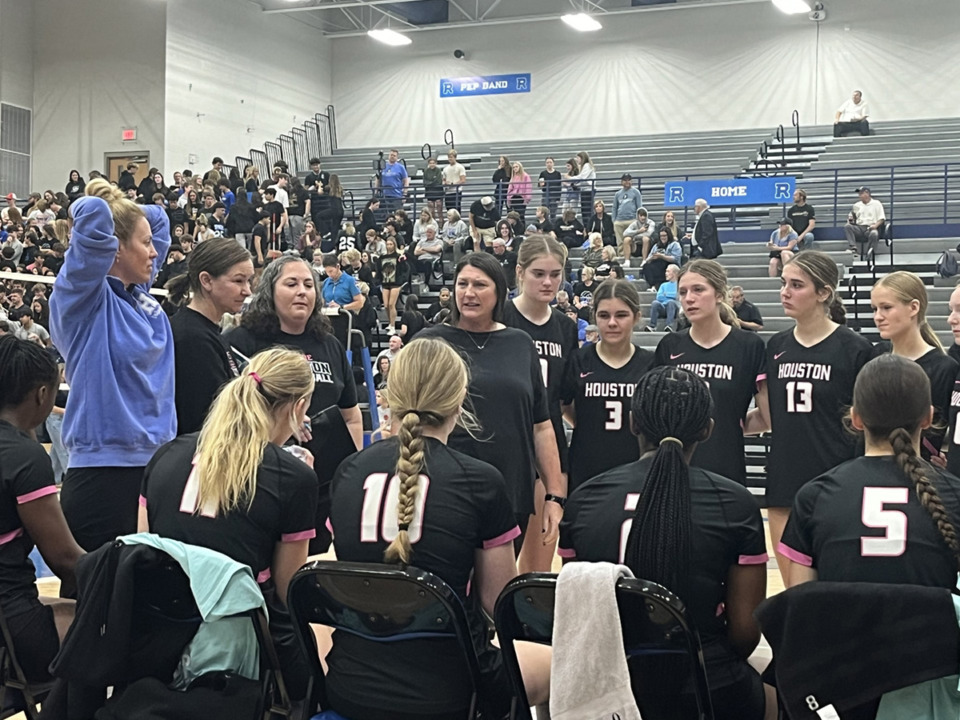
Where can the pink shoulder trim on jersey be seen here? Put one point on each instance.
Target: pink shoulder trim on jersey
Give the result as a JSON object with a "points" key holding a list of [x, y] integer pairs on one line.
{"points": [[142, 501], [298, 536], [795, 555], [761, 377], [753, 559], [502, 539], [12, 535], [263, 576], [329, 526], [36, 494], [567, 553]]}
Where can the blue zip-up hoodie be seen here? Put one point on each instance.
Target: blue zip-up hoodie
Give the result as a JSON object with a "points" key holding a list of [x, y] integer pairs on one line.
{"points": [[117, 344]]}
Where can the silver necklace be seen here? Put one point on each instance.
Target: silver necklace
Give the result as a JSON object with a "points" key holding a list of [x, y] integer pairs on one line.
{"points": [[474, 341]]}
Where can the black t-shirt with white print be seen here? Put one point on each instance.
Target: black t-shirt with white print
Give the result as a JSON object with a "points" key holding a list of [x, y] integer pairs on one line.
{"points": [[733, 369], [601, 437], [462, 507], [953, 435]]}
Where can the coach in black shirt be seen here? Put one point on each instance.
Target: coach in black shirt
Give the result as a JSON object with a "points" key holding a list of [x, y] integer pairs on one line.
{"points": [[750, 318]]}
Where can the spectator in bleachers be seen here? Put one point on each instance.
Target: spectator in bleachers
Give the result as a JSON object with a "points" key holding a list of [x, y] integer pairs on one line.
{"points": [[852, 116], [507, 259], [601, 222], [484, 216], [863, 224], [455, 233], [217, 221], [574, 315], [115, 421], [570, 187], [299, 200], [317, 177], [326, 207], [216, 171], [30, 330], [368, 219], [666, 252], [626, 203], [782, 245], [13, 242], [127, 181], [570, 230], [587, 177], [382, 372], [41, 309], [404, 226], [544, 224], [41, 214], [374, 243], [227, 196], [550, 183], [803, 219], [339, 289], [519, 191], [412, 321], [259, 241], [704, 240], [747, 312], [351, 262], [609, 266], [393, 181], [393, 271], [242, 219], [420, 226], [281, 181], [666, 302], [277, 214], [251, 177], [638, 236], [584, 289], [394, 345], [174, 265], [75, 185], [441, 303], [505, 233], [501, 180], [433, 186], [202, 230], [454, 176], [593, 255]]}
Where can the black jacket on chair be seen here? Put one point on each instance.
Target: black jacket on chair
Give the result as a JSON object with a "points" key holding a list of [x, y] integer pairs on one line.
{"points": [[706, 237]]}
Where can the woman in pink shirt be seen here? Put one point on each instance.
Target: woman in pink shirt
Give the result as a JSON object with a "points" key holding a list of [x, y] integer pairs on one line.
{"points": [[520, 190]]}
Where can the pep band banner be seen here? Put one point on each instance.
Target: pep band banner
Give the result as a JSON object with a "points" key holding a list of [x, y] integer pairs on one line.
{"points": [[484, 85]]}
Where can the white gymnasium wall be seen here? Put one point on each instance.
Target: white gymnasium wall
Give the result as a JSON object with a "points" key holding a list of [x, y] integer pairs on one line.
{"points": [[98, 67], [16, 52], [690, 69], [236, 77]]}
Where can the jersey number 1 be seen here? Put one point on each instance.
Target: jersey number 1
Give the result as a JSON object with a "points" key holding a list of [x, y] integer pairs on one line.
{"points": [[377, 522], [893, 522]]}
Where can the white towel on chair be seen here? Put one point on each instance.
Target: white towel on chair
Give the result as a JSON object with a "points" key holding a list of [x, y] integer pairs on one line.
{"points": [[589, 678]]}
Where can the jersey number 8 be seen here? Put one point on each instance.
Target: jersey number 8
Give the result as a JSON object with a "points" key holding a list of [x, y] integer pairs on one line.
{"points": [[378, 522]]}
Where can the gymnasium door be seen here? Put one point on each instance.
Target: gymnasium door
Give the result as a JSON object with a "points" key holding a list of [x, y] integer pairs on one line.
{"points": [[116, 164]]}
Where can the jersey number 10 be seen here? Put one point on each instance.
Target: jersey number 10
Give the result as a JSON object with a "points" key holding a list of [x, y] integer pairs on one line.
{"points": [[377, 521]]}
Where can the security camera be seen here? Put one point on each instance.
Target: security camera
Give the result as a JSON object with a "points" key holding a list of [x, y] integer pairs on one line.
{"points": [[459, 54]]}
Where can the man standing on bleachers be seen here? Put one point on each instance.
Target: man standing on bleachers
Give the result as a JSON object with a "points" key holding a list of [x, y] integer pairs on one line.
{"points": [[625, 205], [864, 222], [454, 176], [704, 239], [803, 219], [394, 181], [852, 116]]}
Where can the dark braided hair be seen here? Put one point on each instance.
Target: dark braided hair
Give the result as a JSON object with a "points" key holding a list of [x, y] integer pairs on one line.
{"points": [[671, 409], [24, 366], [892, 398]]}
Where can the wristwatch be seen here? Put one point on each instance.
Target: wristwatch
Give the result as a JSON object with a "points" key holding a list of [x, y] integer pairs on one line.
{"points": [[558, 499]]}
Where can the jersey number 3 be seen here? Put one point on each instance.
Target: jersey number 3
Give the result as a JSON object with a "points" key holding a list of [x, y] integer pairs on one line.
{"points": [[614, 415], [893, 522], [378, 521]]}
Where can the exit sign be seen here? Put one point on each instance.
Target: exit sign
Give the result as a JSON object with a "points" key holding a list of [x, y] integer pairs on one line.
{"points": [[128, 134]]}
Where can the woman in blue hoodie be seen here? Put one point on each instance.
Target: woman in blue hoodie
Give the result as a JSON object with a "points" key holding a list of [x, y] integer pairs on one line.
{"points": [[118, 348]]}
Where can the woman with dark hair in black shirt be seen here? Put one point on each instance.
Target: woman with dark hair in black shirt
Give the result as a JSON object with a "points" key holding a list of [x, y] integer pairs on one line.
{"points": [[601, 222], [75, 186], [217, 281], [412, 321], [506, 388]]}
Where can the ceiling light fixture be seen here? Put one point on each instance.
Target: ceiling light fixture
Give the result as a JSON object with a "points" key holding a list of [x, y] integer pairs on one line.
{"points": [[792, 7], [389, 37], [581, 22]]}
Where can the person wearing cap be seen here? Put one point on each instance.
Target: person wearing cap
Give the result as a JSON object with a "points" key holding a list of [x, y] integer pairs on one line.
{"points": [[127, 181], [864, 223], [11, 203], [803, 218], [176, 264], [625, 205], [852, 116], [484, 217], [507, 260], [782, 245]]}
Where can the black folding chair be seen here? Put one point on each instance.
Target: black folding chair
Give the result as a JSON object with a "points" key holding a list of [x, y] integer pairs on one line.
{"points": [[654, 623], [17, 694], [379, 603]]}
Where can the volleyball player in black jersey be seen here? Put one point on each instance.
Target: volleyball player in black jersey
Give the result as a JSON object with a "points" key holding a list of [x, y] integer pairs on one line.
{"points": [[606, 375], [411, 499], [899, 303], [730, 360], [540, 263], [953, 436], [698, 534], [810, 374], [232, 488]]}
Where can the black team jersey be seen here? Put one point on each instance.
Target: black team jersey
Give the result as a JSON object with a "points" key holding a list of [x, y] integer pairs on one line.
{"points": [[953, 436], [862, 522], [462, 507], [557, 344], [727, 531], [810, 389], [732, 370], [601, 437], [941, 370], [508, 396], [283, 510]]}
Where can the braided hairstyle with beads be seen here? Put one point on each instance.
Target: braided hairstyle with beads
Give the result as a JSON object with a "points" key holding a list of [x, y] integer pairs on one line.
{"points": [[671, 410], [892, 398]]}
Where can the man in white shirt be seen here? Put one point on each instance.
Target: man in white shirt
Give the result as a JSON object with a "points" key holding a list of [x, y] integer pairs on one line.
{"points": [[11, 203], [852, 116], [281, 187], [863, 223], [454, 176]]}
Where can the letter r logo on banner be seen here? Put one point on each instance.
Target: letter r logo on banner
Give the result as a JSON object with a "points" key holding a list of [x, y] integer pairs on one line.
{"points": [[447, 88], [521, 83], [781, 191], [676, 194]]}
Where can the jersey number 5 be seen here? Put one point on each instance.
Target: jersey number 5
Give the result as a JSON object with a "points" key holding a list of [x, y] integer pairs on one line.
{"points": [[894, 522], [799, 397], [377, 522]]}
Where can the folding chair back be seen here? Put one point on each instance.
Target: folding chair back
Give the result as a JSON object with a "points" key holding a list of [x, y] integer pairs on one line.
{"points": [[17, 694]]}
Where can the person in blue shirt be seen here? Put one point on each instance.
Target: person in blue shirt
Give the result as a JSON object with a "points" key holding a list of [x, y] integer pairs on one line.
{"points": [[226, 194], [340, 289], [625, 205], [118, 349], [782, 246], [393, 181], [666, 302]]}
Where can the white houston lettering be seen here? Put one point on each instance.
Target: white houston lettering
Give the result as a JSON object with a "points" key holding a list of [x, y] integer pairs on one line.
{"points": [[608, 390], [709, 371], [805, 371]]}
